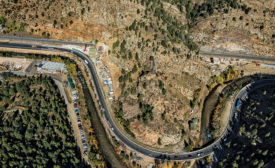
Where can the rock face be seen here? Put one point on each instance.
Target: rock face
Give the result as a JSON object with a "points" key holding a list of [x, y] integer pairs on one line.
{"points": [[149, 134], [236, 31]]}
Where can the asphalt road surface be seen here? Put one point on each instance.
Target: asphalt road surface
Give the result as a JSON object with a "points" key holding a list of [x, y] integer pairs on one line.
{"points": [[151, 153], [251, 57], [43, 40]]}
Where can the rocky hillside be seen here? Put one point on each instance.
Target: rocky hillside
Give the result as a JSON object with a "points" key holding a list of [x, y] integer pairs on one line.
{"points": [[81, 20], [247, 27], [154, 46]]}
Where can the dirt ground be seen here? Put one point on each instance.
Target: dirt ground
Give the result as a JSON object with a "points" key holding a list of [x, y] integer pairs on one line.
{"points": [[252, 69], [17, 61], [225, 113]]}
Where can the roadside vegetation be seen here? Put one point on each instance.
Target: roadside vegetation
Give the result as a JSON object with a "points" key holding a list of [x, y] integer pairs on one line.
{"points": [[125, 123], [11, 25], [34, 130], [234, 85], [101, 148], [253, 146]]}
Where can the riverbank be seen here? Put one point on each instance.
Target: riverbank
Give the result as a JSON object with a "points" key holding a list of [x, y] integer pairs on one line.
{"points": [[209, 105], [106, 147]]}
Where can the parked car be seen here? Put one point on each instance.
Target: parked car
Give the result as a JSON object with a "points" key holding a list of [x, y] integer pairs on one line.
{"points": [[75, 105]]}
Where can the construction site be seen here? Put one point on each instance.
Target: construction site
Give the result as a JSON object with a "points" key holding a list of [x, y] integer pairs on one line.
{"points": [[218, 64], [14, 64]]}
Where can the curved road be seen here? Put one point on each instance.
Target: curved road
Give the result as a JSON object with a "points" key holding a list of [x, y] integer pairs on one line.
{"points": [[155, 154]]}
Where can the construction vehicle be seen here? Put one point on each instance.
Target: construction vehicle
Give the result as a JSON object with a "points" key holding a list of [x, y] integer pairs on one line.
{"points": [[34, 46]]}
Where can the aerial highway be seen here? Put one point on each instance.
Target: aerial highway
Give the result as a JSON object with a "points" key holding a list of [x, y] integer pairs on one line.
{"points": [[12, 38], [151, 153], [251, 57], [206, 53]]}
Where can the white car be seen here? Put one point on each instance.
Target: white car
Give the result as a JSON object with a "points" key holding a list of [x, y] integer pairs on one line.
{"points": [[86, 61]]}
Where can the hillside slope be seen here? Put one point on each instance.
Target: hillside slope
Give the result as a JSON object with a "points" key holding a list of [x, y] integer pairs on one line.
{"points": [[153, 51]]}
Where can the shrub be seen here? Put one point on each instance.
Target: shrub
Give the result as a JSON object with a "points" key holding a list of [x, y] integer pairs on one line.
{"points": [[115, 44], [159, 141]]}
